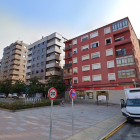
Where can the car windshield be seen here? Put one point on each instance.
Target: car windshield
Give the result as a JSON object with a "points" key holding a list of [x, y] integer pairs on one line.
{"points": [[1, 94], [133, 102], [14, 94]]}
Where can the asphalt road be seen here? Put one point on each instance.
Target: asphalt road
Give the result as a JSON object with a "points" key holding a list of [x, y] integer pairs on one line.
{"points": [[127, 132]]}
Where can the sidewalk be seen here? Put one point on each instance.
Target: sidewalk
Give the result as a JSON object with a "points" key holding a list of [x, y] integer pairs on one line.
{"points": [[99, 130]]}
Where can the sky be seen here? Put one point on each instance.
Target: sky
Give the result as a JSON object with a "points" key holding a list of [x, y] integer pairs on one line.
{"points": [[29, 20]]}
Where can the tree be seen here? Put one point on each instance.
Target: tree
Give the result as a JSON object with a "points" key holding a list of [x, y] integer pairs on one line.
{"points": [[5, 86], [56, 82], [35, 86], [18, 87]]}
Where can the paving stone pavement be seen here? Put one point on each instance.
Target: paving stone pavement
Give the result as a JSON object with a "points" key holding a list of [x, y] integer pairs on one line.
{"points": [[34, 124]]}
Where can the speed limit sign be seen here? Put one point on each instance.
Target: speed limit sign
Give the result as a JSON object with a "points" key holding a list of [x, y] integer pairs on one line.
{"points": [[52, 93]]}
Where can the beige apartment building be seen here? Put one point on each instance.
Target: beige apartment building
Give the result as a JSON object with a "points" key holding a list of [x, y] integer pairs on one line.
{"points": [[44, 57], [13, 64]]}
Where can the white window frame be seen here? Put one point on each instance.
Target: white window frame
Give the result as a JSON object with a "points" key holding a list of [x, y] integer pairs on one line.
{"points": [[96, 64], [84, 37], [75, 71], [74, 41], [111, 79], [97, 75], [84, 46], [107, 28], [95, 53], [75, 78], [118, 38], [75, 49], [87, 80], [108, 64], [110, 39], [108, 50], [85, 66], [93, 34], [75, 60], [84, 56], [94, 43]]}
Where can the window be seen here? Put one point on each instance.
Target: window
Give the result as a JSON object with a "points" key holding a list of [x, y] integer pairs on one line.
{"points": [[84, 38], [108, 41], [107, 30], [85, 67], [42, 63], [120, 25], [37, 71], [32, 72], [109, 52], [95, 44], [33, 59], [75, 60], [86, 47], [75, 70], [110, 64], [37, 65], [126, 73], [75, 51], [75, 42], [95, 55], [24, 56], [92, 35], [86, 78], [42, 43], [119, 39], [33, 52], [121, 51], [24, 51], [43, 50], [97, 77], [38, 45], [75, 80], [38, 58], [69, 54], [111, 76], [42, 56], [42, 70], [96, 66], [34, 47], [85, 57], [38, 51], [33, 65], [125, 61]]}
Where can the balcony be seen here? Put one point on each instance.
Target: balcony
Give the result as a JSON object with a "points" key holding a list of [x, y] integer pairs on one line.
{"points": [[29, 52], [28, 64], [68, 48], [56, 57], [28, 70], [68, 57], [28, 77], [15, 62], [53, 72], [29, 58], [67, 75], [14, 77], [18, 43], [53, 65], [14, 67], [15, 72], [121, 31], [68, 65], [53, 42], [122, 53], [54, 50], [15, 56], [126, 40], [16, 52]]}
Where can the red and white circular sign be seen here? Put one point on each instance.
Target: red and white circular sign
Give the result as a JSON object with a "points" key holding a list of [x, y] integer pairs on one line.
{"points": [[52, 93], [72, 93]]}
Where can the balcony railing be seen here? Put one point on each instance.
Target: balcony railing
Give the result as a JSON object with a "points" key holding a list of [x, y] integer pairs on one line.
{"points": [[68, 65], [68, 48], [124, 52], [68, 56], [68, 74], [122, 41]]}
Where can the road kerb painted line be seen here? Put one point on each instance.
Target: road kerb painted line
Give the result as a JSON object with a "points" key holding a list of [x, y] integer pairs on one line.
{"points": [[113, 131]]}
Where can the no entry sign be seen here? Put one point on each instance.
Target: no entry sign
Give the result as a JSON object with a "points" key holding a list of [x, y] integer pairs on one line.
{"points": [[52, 93], [72, 93]]}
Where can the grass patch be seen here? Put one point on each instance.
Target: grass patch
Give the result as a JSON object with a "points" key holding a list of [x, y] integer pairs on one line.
{"points": [[18, 105]]}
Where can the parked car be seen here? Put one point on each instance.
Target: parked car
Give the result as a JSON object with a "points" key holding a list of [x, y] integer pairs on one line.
{"points": [[14, 95], [10, 95], [2, 95]]}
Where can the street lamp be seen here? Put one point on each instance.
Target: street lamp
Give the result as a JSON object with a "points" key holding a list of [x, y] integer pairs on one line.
{"points": [[134, 82]]}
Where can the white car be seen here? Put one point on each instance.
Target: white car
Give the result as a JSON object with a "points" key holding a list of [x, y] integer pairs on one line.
{"points": [[14, 95]]}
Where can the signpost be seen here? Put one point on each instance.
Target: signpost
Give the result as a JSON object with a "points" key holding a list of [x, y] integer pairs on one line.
{"points": [[52, 93], [72, 95]]}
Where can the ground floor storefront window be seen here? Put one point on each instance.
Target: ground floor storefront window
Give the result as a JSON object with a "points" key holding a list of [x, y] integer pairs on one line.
{"points": [[80, 95], [102, 95], [89, 95]]}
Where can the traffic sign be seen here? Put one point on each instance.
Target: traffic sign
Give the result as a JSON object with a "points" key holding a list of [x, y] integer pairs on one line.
{"points": [[72, 93], [52, 93]]}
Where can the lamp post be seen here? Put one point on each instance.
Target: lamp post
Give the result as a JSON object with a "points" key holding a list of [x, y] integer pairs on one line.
{"points": [[134, 82]]}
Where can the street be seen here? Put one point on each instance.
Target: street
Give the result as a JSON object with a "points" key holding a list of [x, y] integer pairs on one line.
{"points": [[127, 132]]}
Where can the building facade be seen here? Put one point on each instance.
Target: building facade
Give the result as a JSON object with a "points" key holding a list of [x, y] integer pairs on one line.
{"points": [[103, 62], [45, 57], [13, 63]]}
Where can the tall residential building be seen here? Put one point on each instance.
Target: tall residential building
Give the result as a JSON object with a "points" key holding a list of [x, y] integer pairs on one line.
{"points": [[13, 63], [103, 62], [45, 57]]}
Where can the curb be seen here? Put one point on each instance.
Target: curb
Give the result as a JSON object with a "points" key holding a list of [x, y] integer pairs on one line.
{"points": [[113, 131]]}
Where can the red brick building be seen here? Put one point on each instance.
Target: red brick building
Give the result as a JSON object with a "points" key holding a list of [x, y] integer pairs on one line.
{"points": [[103, 61]]}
